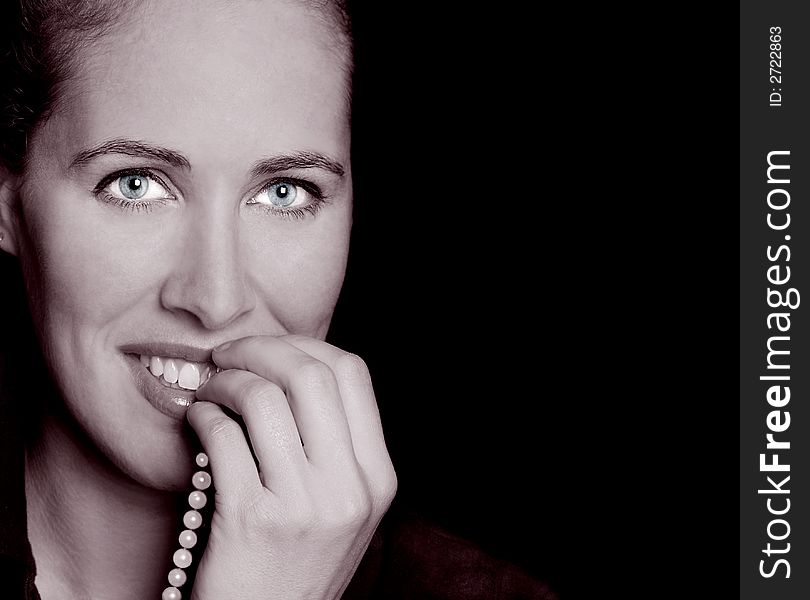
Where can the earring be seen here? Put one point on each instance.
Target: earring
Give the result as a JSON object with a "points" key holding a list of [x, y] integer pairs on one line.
{"points": [[2, 236]]}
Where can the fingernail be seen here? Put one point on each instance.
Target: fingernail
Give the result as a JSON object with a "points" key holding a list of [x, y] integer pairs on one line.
{"points": [[221, 347]]}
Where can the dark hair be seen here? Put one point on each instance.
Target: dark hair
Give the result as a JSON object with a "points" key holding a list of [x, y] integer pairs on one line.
{"points": [[38, 38], [38, 41]]}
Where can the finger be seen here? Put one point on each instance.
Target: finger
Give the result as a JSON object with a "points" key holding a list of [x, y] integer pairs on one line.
{"points": [[311, 389], [359, 402], [267, 415], [232, 466]]}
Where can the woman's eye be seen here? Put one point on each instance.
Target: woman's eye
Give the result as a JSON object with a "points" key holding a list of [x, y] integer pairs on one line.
{"points": [[283, 194], [137, 188]]}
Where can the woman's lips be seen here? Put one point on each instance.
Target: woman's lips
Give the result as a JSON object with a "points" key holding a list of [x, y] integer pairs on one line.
{"points": [[169, 398]]}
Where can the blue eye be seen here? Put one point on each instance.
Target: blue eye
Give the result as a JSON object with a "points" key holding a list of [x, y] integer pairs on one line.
{"points": [[283, 194], [133, 187], [139, 187]]}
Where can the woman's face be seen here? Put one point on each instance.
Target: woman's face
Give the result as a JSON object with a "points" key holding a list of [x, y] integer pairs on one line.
{"points": [[192, 187]]}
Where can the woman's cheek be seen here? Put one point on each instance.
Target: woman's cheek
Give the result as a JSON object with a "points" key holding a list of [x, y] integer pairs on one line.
{"points": [[84, 266], [301, 278]]}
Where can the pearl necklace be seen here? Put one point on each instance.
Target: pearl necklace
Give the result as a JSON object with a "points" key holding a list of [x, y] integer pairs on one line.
{"points": [[201, 480]]}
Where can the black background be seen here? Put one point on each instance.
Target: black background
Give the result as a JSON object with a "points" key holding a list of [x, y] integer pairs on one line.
{"points": [[451, 294]]}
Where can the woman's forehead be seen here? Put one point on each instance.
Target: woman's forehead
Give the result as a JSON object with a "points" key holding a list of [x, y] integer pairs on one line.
{"points": [[254, 77]]}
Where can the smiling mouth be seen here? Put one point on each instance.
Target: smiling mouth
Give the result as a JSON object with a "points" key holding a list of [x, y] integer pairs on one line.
{"points": [[177, 373]]}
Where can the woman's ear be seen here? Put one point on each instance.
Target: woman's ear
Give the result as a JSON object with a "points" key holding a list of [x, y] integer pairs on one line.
{"points": [[9, 220]]}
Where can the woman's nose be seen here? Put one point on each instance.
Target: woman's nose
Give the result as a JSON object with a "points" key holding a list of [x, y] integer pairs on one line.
{"points": [[209, 279]]}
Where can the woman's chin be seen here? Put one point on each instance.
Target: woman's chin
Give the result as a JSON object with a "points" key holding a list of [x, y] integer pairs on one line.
{"points": [[164, 478], [167, 469]]}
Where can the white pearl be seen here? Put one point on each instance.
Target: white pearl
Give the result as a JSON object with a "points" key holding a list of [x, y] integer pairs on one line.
{"points": [[182, 558], [197, 499], [171, 593], [192, 519], [188, 538], [177, 577], [202, 459], [201, 480]]}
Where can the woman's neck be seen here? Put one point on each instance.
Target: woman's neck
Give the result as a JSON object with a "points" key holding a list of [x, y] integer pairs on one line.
{"points": [[94, 531]]}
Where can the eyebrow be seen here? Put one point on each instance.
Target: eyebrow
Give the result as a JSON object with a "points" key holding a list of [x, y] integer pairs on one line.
{"points": [[268, 166], [296, 160], [130, 148]]}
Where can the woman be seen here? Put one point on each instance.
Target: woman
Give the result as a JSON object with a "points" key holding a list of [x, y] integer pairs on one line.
{"points": [[177, 189]]}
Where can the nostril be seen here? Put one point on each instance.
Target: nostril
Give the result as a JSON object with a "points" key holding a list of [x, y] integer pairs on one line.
{"points": [[215, 304]]}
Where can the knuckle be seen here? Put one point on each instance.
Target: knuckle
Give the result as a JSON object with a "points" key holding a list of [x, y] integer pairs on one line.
{"points": [[313, 373], [351, 366], [357, 509], [257, 391], [386, 487], [350, 512], [222, 427], [260, 399], [255, 515]]}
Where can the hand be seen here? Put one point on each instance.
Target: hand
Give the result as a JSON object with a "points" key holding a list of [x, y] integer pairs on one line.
{"points": [[298, 525]]}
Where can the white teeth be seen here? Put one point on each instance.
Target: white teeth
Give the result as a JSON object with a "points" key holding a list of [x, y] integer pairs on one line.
{"points": [[170, 371], [189, 377], [177, 373], [156, 366]]}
